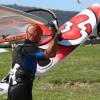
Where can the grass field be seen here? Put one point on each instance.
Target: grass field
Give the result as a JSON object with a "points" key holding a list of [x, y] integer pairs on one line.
{"points": [[76, 78]]}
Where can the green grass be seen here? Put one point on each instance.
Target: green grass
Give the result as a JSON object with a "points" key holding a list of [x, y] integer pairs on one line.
{"points": [[75, 78]]}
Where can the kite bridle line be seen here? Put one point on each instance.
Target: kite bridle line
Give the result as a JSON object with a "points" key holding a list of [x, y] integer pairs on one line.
{"points": [[45, 10]]}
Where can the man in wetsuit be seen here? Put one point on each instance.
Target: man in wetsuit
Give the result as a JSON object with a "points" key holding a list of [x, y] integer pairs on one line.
{"points": [[24, 64]]}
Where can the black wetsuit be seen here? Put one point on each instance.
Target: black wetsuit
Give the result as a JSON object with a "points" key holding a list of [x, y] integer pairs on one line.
{"points": [[26, 55]]}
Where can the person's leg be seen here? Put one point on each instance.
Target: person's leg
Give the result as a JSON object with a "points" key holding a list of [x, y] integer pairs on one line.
{"points": [[23, 89], [20, 91]]}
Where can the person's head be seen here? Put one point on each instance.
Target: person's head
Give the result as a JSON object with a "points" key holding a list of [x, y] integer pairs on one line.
{"points": [[34, 32]]}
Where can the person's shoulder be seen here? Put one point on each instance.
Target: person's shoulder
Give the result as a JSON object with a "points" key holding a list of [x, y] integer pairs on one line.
{"points": [[20, 45]]}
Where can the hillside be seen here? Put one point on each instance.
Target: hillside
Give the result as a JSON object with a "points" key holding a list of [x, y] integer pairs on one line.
{"points": [[62, 16]]}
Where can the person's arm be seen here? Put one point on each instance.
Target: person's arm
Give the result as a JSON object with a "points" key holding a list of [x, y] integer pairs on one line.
{"points": [[51, 50]]}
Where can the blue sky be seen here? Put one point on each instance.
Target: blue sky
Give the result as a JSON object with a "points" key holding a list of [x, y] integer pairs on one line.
{"points": [[67, 5]]}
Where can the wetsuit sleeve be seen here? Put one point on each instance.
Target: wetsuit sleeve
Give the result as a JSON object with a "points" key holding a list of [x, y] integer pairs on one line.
{"points": [[29, 62], [40, 54]]}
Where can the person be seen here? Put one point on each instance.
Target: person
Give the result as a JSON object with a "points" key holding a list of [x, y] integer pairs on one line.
{"points": [[24, 63]]}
